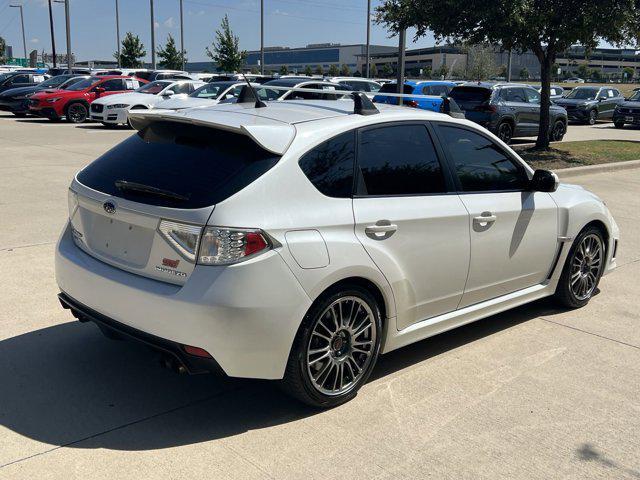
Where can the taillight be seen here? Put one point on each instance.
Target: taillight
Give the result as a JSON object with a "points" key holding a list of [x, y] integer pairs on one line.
{"points": [[224, 246], [182, 237], [411, 103]]}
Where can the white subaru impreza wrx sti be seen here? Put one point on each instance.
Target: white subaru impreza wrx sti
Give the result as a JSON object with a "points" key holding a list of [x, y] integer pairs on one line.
{"points": [[300, 240]]}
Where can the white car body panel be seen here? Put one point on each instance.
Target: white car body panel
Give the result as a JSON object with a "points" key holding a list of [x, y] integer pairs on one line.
{"points": [[247, 315]]}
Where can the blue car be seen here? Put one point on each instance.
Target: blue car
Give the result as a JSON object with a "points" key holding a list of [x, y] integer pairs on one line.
{"points": [[435, 88]]}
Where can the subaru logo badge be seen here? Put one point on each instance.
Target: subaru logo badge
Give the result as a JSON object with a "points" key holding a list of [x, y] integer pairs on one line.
{"points": [[109, 207]]}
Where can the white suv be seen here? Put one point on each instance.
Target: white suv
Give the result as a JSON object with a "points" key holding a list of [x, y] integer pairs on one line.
{"points": [[300, 240]]}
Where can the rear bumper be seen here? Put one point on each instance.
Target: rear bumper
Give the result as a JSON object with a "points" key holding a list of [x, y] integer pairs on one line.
{"points": [[246, 316], [193, 364]]}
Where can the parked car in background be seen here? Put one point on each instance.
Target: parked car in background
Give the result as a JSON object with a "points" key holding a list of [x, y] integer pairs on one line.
{"points": [[210, 93], [574, 80], [152, 75], [356, 84], [114, 109], [299, 241], [280, 89], [16, 100], [73, 103], [509, 110], [203, 77], [556, 91], [435, 88], [61, 71], [628, 112], [17, 79], [587, 104]]}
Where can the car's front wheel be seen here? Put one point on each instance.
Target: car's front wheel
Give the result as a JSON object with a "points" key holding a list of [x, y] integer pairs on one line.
{"points": [[582, 270], [77, 113], [618, 124], [593, 117], [335, 349], [558, 131]]}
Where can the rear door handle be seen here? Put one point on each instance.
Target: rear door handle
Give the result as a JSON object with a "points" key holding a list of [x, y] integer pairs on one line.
{"points": [[384, 228], [485, 219]]}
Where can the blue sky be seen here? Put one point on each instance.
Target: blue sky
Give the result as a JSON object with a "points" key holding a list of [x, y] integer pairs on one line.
{"points": [[287, 23]]}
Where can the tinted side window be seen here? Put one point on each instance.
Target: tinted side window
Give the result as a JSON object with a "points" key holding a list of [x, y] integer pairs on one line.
{"points": [[514, 95], [112, 85], [181, 88], [398, 160], [329, 166], [533, 96], [480, 164]]}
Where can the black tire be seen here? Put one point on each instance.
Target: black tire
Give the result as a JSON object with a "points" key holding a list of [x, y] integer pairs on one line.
{"points": [[298, 381], [618, 124], [593, 117], [505, 131], [108, 125], [558, 131], [20, 114], [76, 112], [566, 290]]}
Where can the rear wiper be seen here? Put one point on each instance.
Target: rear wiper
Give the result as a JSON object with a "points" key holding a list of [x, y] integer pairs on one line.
{"points": [[149, 190]]}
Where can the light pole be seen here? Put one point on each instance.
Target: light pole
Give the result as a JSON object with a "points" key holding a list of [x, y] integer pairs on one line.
{"points": [[67, 18], [368, 38], [153, 38], [53, 37], [181, 35], [118, 32], [261, 37], [402, 43], [24, 41]]}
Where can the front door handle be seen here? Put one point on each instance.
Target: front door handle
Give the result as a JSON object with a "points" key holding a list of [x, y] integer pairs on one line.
{"points": [[485, 218], [382, 228]]}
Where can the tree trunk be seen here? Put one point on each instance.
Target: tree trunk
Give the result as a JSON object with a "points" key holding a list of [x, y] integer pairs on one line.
{"points": [[546, 63]]}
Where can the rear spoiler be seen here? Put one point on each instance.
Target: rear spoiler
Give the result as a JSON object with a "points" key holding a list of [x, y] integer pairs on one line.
{"points": [[273, 136]]}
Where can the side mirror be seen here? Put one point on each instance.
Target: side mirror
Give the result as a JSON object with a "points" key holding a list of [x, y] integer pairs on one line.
{"points": [[169, 93], [544, 181], [99, 90]]}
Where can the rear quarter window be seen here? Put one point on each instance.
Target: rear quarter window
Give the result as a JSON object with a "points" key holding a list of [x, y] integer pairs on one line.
{"points": [[204, 165]]}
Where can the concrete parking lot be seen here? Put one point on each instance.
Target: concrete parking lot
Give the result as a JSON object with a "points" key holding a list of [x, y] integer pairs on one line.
{"points": [[534, 393]]}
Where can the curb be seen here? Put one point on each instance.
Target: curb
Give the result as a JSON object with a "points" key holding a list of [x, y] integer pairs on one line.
{"points": [[603, 167]]}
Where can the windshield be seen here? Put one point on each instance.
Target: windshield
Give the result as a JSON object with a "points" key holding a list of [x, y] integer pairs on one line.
{"points": [[154, 88], [84, 84], [211, 90], [55, 81], [4, 76], [635, 97], [71, 81], [584, 93]]}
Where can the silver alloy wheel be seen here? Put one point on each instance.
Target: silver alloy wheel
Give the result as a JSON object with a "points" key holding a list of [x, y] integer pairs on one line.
{"points": [[341, 345], [77, 113], [586, 267], [593, 116]]}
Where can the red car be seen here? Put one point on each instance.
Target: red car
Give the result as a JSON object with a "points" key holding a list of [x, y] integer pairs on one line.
{"points": [[73, 103]]}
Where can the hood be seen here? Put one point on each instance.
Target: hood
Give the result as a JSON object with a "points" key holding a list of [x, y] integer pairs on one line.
{"points": [[121, 97], [58, 93], [185, 102], [572, 101], [15, 92], [628, 104]]}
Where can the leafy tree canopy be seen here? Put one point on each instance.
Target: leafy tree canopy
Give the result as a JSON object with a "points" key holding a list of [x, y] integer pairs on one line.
{"points": [[132, 51], [225, 50], [170, 57]]}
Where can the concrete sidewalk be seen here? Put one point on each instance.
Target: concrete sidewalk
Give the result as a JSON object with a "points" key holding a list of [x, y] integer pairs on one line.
{"points": [[535, 393]]}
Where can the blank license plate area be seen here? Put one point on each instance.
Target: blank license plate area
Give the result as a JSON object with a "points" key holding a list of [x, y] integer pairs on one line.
{"points": [[121, 241]]}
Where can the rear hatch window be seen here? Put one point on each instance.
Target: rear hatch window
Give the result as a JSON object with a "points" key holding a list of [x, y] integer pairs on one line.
{"points": [[183, 166], [469, 98]]}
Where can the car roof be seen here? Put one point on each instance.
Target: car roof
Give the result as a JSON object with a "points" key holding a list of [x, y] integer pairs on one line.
{"points": [[291, 82]]}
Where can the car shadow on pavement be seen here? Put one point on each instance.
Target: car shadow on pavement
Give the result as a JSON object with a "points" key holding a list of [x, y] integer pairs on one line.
{"points": [[67, 385]]}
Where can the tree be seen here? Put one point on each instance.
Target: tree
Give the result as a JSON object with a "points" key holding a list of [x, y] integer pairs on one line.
{"points": [[170, 57], [524, 73], [345, 71], [318, 70], [254, 70], [373, 70], [225, 49], [387, 70], [628, 74], [132, 51], [502, 71], [584, 71], [3, 50], [307, 71], [333, 70], [284, 70], [480, 61], [547, 28]]}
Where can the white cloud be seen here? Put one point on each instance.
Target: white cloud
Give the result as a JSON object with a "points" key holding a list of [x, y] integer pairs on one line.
{"points": [[169, 22], [156, 25], [35, 40]]}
